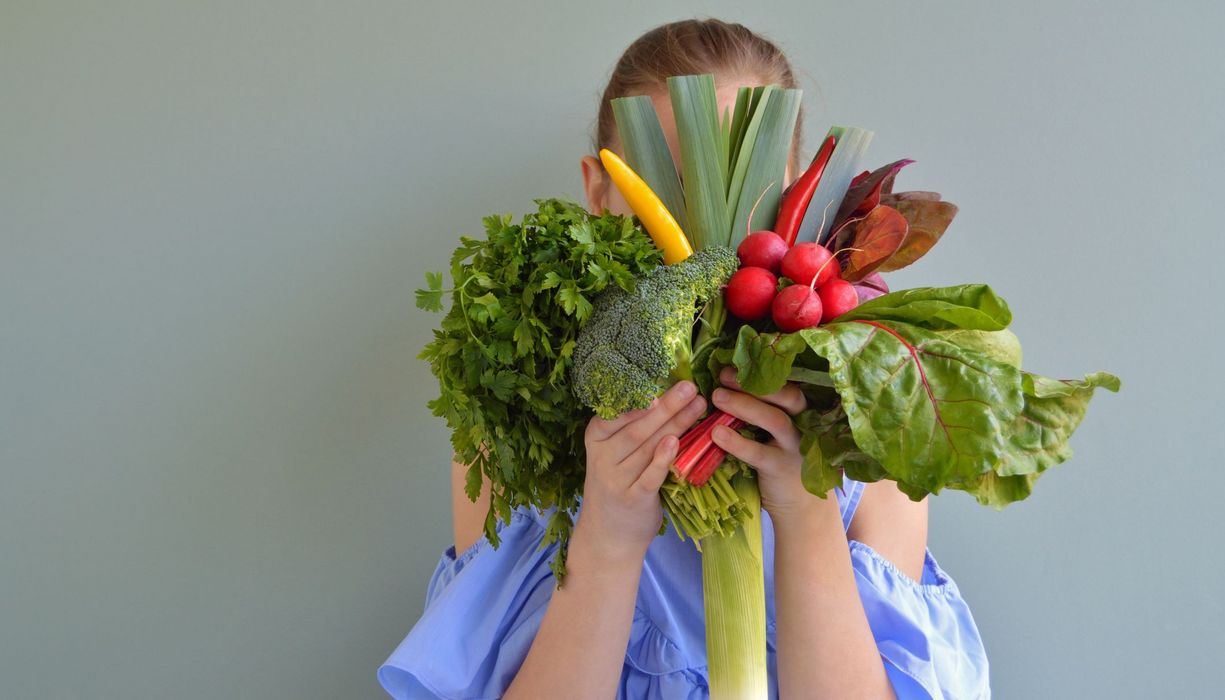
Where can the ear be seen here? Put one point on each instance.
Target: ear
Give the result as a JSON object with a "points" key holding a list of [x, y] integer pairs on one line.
{"points": [[595, 185]]}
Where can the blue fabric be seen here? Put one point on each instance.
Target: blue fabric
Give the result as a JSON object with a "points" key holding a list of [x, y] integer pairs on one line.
{"points": [[483, 608]]}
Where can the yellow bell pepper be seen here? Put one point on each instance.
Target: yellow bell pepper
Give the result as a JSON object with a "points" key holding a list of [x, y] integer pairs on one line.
{"points": [[654, 216]]}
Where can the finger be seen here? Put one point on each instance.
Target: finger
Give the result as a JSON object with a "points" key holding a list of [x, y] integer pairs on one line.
{"points": [[599, 429], [679, 423], [634, 433], [653, 476], [790, 398], [727, 377], [751, 409], [757, 455]]}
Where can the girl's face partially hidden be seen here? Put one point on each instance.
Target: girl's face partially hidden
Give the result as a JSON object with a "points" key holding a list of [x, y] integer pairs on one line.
{"points": [[598, 188]]}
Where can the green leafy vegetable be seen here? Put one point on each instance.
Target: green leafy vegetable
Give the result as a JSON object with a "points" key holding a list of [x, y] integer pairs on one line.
{"points": [[640, 342], [927, 410], [763, 361], [503, 351], [967, 306], [930, 395]]}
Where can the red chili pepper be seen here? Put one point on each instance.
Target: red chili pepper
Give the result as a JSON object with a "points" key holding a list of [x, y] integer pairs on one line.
{"points": [[796, 198]]}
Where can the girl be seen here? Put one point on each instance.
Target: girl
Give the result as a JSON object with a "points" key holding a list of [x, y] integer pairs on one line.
{"points": [[856, 606]]}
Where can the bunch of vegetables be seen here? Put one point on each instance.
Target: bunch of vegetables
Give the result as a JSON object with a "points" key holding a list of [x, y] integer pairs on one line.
{"points": [[569, 314]]}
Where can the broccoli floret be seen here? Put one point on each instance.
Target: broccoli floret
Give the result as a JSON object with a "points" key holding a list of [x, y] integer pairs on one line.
{"points": [[637, 344]]}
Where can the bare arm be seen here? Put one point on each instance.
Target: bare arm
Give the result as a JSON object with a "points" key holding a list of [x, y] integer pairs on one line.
{"points": [[467, 517], [579, 650], [825, 645], [893, 525], [824, 641]]}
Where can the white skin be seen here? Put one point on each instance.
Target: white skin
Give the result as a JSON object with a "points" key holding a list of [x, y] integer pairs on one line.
{"points": [[825, 647]]}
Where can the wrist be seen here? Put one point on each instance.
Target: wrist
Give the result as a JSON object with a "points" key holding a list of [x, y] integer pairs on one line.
{"points": [[608, 548]]}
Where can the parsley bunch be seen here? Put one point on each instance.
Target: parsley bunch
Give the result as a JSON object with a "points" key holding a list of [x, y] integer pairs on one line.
{"points": [[503, 351]]}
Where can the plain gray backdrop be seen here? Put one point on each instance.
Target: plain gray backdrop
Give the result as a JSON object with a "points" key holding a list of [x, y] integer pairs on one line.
{"points": [[219, 476]]}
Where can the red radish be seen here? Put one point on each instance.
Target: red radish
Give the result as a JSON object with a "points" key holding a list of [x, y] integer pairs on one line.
{"points": [[796, 307], [806, 261], [749, 292], [762, 249], [837, 297]]}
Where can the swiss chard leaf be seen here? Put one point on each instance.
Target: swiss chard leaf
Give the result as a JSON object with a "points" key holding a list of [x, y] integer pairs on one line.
{"points": [[1053, 410], [991, 489], [763, 360], [929, 395], [927, 410], [817, 473], [969, 306]]}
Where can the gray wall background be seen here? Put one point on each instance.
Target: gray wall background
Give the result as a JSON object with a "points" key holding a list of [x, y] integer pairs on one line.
{"points": [[219, 475]]}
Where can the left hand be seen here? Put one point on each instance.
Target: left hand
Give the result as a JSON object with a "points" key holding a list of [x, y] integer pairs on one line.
{"points": [[778, 461]]}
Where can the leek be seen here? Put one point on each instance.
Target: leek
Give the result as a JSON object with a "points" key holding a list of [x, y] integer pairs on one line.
{"points": [[697, 127], [843, 166], [767, 166], [647, 152], [726, 162], [734, 597]]}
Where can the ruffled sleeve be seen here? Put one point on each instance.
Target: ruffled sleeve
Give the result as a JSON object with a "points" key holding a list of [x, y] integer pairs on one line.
{"points": [[482, 611], [923, 629]]}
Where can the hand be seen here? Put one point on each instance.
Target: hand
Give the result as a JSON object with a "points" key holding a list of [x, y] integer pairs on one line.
{"points": [[778, 461], [628, 459]]}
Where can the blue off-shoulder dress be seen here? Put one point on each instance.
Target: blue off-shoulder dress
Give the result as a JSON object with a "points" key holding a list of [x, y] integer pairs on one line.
{"points": [[484, 606]]}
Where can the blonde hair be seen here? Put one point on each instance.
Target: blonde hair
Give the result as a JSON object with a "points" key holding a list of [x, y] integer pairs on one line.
{"points": [[691, 47]]}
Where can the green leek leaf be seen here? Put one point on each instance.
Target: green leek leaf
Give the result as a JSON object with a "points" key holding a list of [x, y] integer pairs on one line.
{"points": [[844, 165], [767, 165], [740, 115], [744, 154], [695, 107], [647, 152]]}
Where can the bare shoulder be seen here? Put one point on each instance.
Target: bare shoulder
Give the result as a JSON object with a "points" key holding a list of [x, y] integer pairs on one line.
{"points": [[893, 525], [467, 517]]}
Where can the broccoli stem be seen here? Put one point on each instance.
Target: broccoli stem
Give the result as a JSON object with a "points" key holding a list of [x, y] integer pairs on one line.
{"points": [[710, 324]]}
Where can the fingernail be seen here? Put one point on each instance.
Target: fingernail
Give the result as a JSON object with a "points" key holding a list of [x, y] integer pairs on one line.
{"points": [[686, 389], [719, 395]]}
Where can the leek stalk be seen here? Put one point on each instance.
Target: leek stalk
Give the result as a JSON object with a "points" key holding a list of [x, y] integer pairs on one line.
{"points": [[734, 596]]}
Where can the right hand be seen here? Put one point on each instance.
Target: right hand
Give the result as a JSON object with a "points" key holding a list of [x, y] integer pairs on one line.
{"points": [[628, 459]]}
